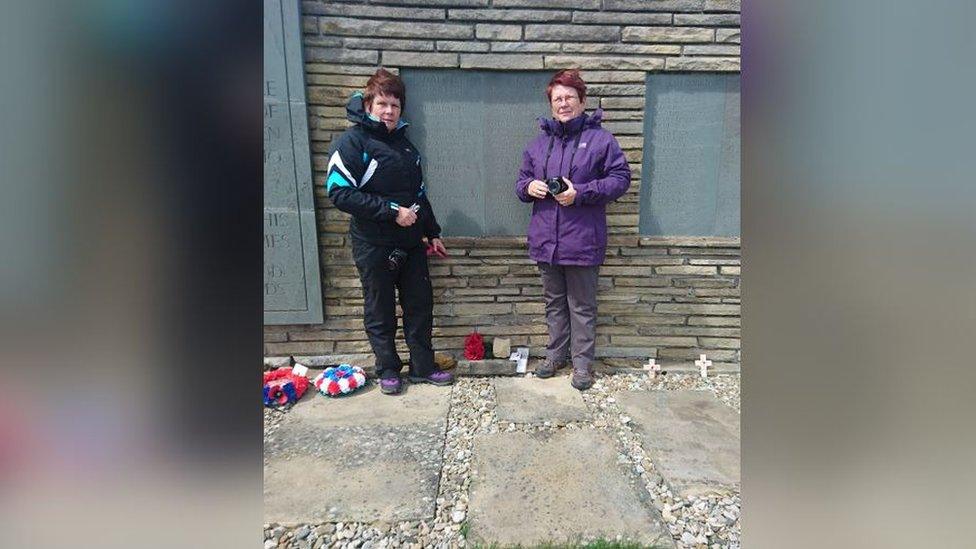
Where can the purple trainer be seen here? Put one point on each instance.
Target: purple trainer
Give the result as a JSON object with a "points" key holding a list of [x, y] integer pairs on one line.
{"points": [[437, 377], [390, 385]]}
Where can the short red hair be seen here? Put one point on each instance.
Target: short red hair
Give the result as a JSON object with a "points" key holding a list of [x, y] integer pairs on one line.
{"points": [[384, 82], [571, 79]]}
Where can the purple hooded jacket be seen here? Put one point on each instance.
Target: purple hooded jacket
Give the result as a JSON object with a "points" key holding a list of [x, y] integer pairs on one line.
{"points": [[576, 234]]}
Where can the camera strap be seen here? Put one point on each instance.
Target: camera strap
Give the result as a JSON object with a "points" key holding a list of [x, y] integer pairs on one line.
{"points": [[552, 140]]}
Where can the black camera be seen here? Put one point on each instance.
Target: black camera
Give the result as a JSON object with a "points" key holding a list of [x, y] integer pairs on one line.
{"points": [[556, 185], [396, 259]]}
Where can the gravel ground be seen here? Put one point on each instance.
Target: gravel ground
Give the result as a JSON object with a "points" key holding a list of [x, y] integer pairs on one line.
{"points": [[703, 521], [707, 521], [272, 419]]}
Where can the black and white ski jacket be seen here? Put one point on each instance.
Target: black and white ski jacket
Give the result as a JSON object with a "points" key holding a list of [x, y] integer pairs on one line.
{"points": [[372, 172]]}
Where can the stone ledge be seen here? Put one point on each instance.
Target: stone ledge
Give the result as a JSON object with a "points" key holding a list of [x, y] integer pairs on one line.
{"points": [[277, 361], [486, 242], [363, 360], [616, 240], [621, 364], [696, 241], [488, 367], [631, 366]]}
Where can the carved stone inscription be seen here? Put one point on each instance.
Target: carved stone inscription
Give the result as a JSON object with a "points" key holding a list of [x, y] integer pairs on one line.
{"points": [[471, 128], [292, 288], [691, 155]]}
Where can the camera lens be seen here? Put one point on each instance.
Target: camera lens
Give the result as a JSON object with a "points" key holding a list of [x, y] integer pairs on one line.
{"points": [[556, 185]]}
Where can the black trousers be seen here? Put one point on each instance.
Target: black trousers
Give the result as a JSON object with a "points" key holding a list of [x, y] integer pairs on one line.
{"points": [[412, 282]]}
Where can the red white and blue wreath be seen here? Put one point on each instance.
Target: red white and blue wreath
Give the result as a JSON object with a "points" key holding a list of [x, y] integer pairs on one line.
{"points": [[340, 380], [283, 386]]}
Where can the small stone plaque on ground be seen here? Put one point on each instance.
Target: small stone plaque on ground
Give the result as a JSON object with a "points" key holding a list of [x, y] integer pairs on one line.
{"points": [[562, 487], [692, 438], [363, 457], [535, 400], [487, 367]]}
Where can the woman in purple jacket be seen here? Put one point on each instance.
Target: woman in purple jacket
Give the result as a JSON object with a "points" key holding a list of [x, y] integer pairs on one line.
{"points": [[568, 230]]}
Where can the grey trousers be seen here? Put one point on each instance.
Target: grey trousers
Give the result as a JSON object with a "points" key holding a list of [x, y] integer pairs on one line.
{"points": [[570, 295]]}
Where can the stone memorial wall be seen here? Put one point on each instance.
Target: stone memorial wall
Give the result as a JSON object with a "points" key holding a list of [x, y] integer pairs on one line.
{"points": [[668, 296]]}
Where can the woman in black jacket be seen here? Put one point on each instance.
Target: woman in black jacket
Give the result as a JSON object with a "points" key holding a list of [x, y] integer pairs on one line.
{"points": [[374, 174]]}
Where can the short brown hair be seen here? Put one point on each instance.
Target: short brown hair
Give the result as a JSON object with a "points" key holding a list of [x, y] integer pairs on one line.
{"points": [[571, 79], [384, 82]]}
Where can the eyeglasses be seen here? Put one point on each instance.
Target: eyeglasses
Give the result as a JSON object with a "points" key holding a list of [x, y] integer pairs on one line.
{"points": [[565, 99]]}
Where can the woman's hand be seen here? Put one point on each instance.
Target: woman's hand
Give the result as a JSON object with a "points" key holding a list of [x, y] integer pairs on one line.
{"points": [[405, 217], [438, 247], [537, 189], [567, 197]]}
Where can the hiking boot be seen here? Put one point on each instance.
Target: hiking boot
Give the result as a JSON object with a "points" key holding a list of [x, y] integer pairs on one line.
{"points": [[390, 385], [582, 378], [437, 377], [548, 368]]}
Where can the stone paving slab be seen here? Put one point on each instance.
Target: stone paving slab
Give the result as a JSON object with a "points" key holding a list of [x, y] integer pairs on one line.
{"points": [[417, 403], [365, 457], [533, 488], [692, 438], [535, 400]]}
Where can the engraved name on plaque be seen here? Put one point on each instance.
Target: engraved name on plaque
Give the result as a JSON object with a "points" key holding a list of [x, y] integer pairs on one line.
{"points": [[292, 287], [690, 179], [471, 128]]}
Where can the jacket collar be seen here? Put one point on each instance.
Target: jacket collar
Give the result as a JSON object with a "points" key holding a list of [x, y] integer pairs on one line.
{"points": [[553, 127]]}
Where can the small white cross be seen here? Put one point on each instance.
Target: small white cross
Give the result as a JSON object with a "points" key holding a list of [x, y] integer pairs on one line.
{"points": [[652, 367], [703, 365]]}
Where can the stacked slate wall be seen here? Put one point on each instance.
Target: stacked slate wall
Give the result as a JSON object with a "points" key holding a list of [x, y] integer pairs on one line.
{"points": [[668, 297]]}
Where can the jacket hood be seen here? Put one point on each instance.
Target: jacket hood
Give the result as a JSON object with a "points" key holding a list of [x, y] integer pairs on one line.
{"points": [[356, 113], [551, 126]]}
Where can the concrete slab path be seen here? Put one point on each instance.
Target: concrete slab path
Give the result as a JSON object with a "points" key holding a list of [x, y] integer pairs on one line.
{"points": [[364, 457], [557, 487], [508, 461], [535, 400], [691, 436]]}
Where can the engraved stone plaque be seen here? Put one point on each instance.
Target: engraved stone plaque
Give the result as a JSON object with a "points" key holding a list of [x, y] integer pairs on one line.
{"points": [[471, 128], [292, 288], [690, 177]]}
